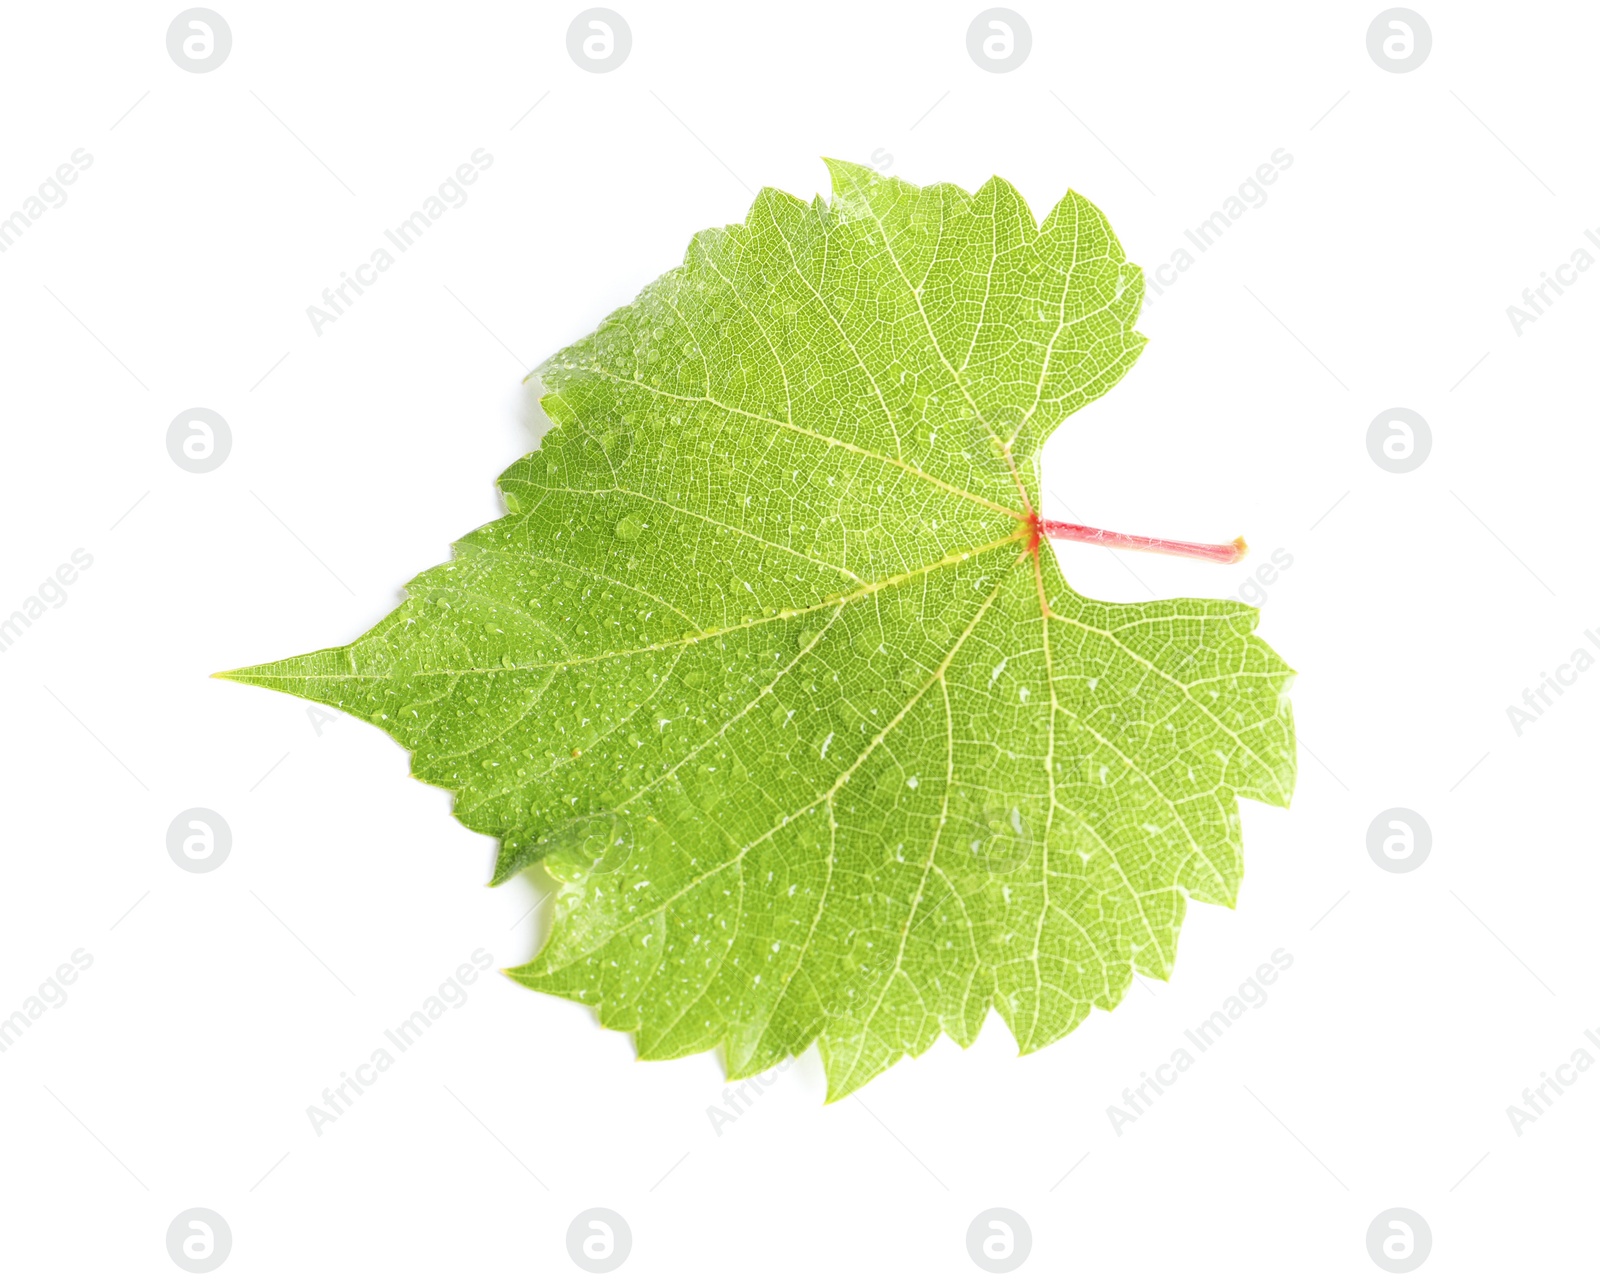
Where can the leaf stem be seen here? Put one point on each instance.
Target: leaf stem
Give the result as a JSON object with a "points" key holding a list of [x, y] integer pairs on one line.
{"points": [[1221, 553]]}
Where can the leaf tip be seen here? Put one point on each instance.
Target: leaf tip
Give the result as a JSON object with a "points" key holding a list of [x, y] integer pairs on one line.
{"points": [[847, 174]]}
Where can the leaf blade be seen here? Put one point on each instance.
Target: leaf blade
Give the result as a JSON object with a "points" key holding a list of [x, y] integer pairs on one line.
{"points": [[768, 668]]}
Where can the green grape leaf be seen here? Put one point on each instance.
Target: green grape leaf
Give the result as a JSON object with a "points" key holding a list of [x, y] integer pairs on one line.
{"points": [[770, 668]]}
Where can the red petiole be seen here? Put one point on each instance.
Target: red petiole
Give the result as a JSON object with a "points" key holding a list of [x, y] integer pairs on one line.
{"points": [[1222, 553]]}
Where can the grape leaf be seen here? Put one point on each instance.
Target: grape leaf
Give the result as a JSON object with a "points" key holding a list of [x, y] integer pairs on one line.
{"points": [[770, 667]]}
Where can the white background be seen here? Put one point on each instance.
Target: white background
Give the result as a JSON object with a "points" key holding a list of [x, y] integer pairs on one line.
{"points": [[219, 1007]]}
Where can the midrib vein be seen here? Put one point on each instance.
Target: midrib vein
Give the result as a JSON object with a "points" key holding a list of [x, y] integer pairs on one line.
{"points": [[838, 599]]}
